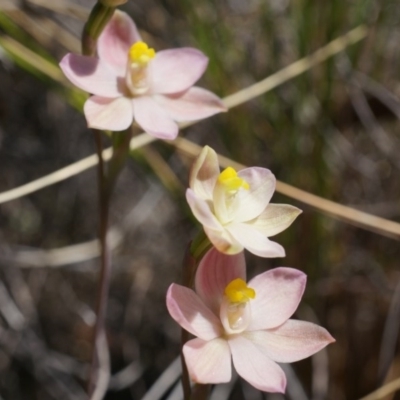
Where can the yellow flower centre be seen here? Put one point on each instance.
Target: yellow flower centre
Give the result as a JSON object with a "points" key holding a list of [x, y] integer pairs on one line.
{"points": [[235, 307], [237, 291], [137, 69], [141, 54], [230, 179]]}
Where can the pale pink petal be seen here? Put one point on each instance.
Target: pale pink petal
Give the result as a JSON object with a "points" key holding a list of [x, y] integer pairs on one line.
{"points": [[91, 75], [292, 341], [115, 41], [175, 70], [223, 241], [204, 173], [278, 294], [254, 241], [208, 362], [195, 103], [109, 114], [214, 273], [254, 201], [275, 219], [255, 367], [189, 311], [153, 119], [202, 212]]}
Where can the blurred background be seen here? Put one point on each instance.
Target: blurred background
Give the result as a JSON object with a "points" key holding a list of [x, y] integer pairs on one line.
{"points": [[332, 131]]}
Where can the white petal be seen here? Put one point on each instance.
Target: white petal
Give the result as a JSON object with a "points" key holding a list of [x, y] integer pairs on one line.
{"points": [[223, 241], [254, 201], [208, 362], [215, 271], [278, 294], [275, 219], [109, 114], [292, 341], [189, 311], [153, 119], [202, 211], [254, 241], [175, 70], [255, 367], [194, 104], [204, 173]]}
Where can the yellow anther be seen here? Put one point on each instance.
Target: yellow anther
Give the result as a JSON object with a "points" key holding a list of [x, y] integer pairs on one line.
{"points": [[141, 53], [238, 292], [229, 178]]}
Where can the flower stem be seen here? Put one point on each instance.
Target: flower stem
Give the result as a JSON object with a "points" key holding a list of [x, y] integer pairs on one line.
{"points": [[188, 270], [200, 392], [105, 260], [106, 182], [98, 19], [200, 245]]}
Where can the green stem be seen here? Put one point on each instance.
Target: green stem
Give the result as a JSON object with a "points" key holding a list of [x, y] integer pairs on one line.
{"points": [[98, 19], [188, 271], [200, 392], [105, 261], [200, 245]]}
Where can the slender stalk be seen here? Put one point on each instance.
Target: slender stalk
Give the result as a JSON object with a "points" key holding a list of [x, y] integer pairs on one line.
{"points": [[200, 392], [98, 19], [194, 253], [105, 259], [185, 372], [188, 271]]}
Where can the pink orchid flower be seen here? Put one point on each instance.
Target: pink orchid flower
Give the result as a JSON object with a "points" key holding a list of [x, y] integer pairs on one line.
{"points": [[234, 207], [246, 322], [130, 81]]}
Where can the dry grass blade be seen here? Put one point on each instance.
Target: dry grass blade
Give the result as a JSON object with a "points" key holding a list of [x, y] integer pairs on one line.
{"points": [[359, 218], [44, 30], [21, 52], [384, 391], [297, 68], [63, 7], [51, 179], [8, 5]]}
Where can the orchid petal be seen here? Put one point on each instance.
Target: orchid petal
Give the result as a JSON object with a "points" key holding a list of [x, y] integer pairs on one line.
{"points": [[254, 241], [202, 212], [195, 103], [208, 362], [153, 119], [223, 241], [215, 271], [292, 341], [115, 41], [204, 173], [109, 114], [175, 70], [255, 367], [255, 200], [278, 294], [275, 219], [91, 75], [189, 311]]}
